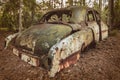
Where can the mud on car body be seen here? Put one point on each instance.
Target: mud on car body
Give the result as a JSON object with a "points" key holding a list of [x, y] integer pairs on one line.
{"points": [[57, 41]]}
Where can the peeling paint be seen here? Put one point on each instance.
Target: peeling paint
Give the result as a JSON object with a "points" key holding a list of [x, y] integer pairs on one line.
{"points": [[57, 45], [67, 47]]}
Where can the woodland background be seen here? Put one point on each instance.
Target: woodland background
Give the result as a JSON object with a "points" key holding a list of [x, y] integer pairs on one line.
{"points": [[20, 14]]}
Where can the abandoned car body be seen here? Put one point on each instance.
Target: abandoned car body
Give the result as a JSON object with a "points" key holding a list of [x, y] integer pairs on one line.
{"points": [[56, 42]]}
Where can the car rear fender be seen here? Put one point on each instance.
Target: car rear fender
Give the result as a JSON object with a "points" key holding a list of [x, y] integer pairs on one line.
{"points": [[104, 31], [68, 47]]}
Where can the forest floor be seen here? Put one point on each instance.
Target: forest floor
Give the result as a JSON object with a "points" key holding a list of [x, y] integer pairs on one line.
{"points": [[100, 63]]}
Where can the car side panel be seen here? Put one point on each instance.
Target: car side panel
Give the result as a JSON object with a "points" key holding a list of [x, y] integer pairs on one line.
{"points": [[67, 47], [94, 26], [104, 28]]}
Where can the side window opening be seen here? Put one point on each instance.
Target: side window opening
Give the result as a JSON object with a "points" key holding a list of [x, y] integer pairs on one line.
{"points": [[90, 16], [57, 16], [66, 17], [97, 16], [53, 18]]}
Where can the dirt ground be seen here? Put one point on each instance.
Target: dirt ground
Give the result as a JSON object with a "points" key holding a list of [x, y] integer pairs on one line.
{"points": [[100, 63]]}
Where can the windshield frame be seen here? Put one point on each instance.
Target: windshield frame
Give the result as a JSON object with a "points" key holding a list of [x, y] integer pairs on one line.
{"points": [[77, 15]]}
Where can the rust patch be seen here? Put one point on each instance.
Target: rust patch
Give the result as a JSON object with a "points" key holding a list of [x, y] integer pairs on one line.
{"points": [[69, 61], [103, 31]]}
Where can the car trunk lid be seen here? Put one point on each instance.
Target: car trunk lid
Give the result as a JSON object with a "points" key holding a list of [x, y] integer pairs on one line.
{"points": [[40, 38]]}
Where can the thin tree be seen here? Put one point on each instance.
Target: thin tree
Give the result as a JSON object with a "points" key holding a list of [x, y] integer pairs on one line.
{"points": [[33, 6], [100, 5], [20, 15], [61, 3], [100, 10], [111, 12], [83, 2]]}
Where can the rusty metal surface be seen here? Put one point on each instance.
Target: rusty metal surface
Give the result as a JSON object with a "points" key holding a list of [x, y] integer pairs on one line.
{"points": [[67, 47], [76, 14], [41, 37], [57, 42], [33, 60]]}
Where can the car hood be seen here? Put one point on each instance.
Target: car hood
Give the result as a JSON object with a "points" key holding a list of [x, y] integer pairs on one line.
{"points": [[40, 38]]}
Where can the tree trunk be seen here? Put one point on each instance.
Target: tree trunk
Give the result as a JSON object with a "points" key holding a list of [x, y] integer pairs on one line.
{"points": [[70, 2], [53, 3], [33, 10], [110, 18], [20, 16], [100, 5], [32, 15], [61, 3], [83, 2]]}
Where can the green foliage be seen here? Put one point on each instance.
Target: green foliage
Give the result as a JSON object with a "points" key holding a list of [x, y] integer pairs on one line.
{"points": [[37, 17], [104, 14], [10, 14], [96, 6], [116, 15], [32, 12]]}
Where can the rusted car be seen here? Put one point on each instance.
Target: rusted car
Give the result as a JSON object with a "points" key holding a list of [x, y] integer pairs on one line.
{"points": [[57, 41]]}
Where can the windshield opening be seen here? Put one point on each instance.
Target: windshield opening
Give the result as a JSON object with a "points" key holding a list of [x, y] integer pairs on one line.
{"points": [[57, 16], [64, 16]]}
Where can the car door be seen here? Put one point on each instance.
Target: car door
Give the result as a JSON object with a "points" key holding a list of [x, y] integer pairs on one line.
{"points": [[91, 22], [102, 26]]}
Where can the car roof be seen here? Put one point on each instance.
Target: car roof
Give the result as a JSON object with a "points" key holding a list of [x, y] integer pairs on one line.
{"points": [[71, 8], [74, 9]]}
